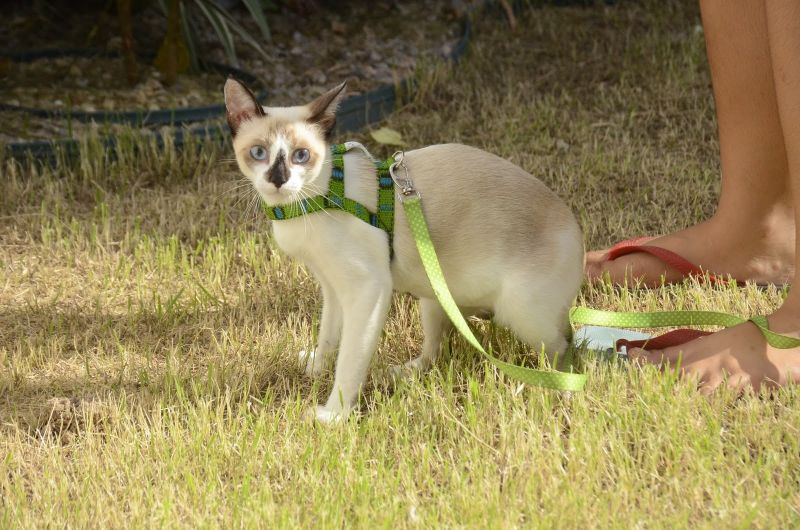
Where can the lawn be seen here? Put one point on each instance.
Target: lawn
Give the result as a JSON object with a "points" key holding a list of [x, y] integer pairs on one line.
{"points": [[149, 328]]}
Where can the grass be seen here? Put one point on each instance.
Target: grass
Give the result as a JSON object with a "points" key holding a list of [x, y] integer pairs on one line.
{"points": [[149, 327]]}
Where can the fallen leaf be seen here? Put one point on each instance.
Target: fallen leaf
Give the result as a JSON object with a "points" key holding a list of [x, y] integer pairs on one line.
{"points": [[387, 136]]}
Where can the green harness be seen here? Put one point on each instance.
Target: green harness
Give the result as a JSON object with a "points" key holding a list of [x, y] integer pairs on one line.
{"points": [[336, 200]]}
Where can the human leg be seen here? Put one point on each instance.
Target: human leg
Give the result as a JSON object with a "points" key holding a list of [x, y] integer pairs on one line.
{"points": [[741, 353], [751, 235]]}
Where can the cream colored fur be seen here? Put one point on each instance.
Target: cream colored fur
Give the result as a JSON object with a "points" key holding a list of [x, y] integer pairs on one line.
{"points": [[507, 245]]}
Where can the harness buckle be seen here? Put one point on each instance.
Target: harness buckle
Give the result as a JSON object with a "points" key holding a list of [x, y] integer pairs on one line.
{"points": [[405, 183]]}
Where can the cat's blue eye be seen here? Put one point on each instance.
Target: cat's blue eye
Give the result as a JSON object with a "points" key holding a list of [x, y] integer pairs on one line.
{"points": [[300, 156], [258, 152]]}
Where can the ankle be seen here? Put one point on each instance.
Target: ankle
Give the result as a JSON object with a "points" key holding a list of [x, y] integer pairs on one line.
{"points": [[771, 227]]}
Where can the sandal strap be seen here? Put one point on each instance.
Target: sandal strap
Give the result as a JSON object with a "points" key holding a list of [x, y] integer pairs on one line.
{"points": [[675, 337], [670, 258]]}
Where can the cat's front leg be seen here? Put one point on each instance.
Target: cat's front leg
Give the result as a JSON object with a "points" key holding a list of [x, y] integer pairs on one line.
{"points": [[365, 304], [330, 330]]}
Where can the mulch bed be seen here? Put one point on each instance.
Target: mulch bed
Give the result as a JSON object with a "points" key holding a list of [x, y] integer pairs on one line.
{"points": [[368, 43]]}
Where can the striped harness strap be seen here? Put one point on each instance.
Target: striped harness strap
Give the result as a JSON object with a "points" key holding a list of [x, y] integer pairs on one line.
{"points": [[336, 200]]}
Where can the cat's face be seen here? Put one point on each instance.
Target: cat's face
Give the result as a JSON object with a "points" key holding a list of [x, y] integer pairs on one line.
{"points": [[281, 149]]}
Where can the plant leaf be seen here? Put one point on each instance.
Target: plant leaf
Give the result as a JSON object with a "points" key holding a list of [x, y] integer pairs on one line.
{"points": [[189, 35], [256, 9], [220, 28], [231, 22], [387, 136]]}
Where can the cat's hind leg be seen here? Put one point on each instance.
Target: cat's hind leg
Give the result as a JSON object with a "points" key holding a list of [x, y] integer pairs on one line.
{"points": [[536, 312], [434, 325]]}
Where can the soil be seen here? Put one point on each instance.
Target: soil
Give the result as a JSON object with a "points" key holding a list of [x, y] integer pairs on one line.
{"points": [[367, 43]]}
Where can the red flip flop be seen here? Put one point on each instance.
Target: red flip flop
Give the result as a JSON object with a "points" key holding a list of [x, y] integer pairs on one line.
{"points": [[671, 338], [677, 262]]}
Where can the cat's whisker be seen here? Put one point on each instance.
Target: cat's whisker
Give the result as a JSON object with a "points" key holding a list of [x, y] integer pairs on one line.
{"points": [[253, 198], [306, 222], [252, 204], [318, 191], [323, 211], [256, 203], [246, 199], [249, 191], [236, 188], [302, 195], [233, 184], [238, 201]]}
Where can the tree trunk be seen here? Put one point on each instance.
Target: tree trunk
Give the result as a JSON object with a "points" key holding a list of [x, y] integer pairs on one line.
{"points": [[173, 35], [128, 47], [173, 56]]}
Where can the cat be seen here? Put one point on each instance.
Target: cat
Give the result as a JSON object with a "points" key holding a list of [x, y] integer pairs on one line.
{"points": [[507, 244]]}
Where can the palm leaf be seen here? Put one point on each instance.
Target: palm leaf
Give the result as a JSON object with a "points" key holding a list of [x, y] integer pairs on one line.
{"points": [[220, 25], [231, 22], [190, 35], [257, 12]]}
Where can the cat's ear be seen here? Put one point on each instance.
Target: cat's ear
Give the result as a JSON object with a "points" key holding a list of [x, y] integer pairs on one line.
{"points": [[322, 110], [240, 104]]}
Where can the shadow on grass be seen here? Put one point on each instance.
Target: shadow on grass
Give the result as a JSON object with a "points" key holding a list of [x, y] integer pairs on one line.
{"points": [[61, 362]]}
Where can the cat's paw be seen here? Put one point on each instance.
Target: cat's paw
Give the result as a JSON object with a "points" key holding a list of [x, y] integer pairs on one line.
{"points": [[327, 416], [412, 368], [398, 372], [312, 366]]}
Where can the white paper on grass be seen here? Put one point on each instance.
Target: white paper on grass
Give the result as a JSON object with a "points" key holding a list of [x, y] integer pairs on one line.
{"points": [[604, 339]]}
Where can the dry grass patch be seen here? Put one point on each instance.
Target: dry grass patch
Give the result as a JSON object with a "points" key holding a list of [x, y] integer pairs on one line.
{"points": [[149, 328]]}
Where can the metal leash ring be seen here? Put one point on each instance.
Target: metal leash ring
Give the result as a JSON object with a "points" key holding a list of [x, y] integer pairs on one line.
{"points": [[405, 183]]}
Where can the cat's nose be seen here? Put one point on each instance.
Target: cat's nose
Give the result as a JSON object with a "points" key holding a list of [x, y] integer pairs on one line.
{"points": [[278, 174]]}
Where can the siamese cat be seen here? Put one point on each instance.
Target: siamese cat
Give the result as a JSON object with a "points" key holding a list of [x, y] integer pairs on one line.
{"points": [[507, 244]]}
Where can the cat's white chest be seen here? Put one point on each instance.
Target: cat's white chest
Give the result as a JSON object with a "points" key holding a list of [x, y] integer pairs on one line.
{"points": [[327, 239], [293, 236]]}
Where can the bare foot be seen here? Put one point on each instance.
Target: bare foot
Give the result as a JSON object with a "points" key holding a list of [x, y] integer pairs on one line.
{"points": [[763, 255], [739, 356]]}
